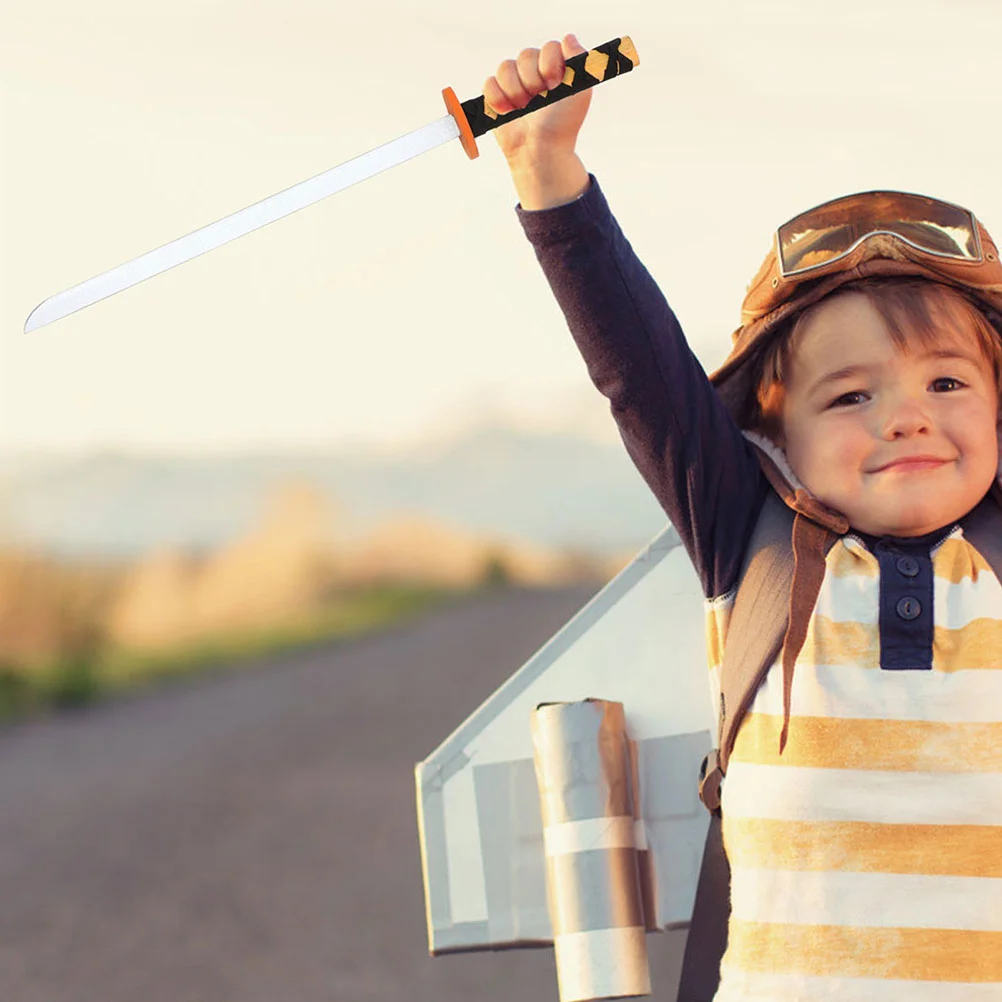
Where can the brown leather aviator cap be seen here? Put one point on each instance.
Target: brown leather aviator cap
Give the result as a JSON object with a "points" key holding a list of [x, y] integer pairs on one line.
{"points": [[870, 234]]}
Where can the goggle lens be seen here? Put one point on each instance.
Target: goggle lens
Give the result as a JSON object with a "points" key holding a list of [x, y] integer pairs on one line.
{"points": [[834, 230]]}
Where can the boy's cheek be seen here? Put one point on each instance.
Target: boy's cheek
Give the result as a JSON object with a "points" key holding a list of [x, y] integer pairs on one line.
{"points": [[831, 466], [808, 463]]}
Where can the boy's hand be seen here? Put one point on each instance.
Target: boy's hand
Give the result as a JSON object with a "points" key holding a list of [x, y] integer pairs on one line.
{"points": [[539, 148]]}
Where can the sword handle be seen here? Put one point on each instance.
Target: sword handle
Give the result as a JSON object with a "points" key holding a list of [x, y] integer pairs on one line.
{"points": [[582, 71]]}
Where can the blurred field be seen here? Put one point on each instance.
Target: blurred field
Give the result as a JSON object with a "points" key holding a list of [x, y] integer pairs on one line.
{"points": [[71, 631]]}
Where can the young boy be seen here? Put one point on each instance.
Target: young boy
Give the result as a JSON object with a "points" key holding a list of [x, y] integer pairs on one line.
{"points": [[862, 804]]}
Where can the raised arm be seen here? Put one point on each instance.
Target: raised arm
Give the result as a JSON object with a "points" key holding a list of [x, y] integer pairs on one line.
{"points": [[680, 437]]}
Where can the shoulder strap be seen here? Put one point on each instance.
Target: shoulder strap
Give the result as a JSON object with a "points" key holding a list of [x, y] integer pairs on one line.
{"points": [[759, 618], [707, 938]]}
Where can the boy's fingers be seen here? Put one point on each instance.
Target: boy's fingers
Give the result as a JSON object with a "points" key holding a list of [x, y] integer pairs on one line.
{"points": [[518, 81], [551, 64], [510, 84], [528, 72], [570, 46], [496, 98], [504, 90]]}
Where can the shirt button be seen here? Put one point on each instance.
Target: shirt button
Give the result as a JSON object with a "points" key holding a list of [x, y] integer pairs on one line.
{"points": [[908, 566], [909, 608]]}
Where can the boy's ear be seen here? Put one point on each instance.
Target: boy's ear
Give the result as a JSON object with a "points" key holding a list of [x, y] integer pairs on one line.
{"points": [[769, 417]]}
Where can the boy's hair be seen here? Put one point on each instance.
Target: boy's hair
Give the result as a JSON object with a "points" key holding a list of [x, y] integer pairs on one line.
{"points": [[909, 308]]}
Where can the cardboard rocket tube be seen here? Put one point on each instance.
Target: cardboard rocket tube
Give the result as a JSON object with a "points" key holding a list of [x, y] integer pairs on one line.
{"points": [[583, 770]]}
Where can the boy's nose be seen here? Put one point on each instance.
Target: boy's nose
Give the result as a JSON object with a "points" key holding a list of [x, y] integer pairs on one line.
{"points": [[906, 417]]}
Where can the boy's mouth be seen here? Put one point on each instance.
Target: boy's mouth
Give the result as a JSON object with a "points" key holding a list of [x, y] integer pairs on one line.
{"points": [[909, 464]]}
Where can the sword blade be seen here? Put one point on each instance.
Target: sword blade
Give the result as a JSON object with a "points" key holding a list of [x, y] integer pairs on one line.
{"points": [[244, 221]]}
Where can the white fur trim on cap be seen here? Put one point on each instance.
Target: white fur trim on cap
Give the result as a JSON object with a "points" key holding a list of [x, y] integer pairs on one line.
{"points": [[777, 455]]}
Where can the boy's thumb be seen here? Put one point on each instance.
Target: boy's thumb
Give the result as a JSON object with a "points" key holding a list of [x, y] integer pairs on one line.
{"points": [[571, 46]]}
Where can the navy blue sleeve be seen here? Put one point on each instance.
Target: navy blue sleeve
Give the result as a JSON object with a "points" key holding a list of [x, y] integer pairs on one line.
{"points": [[684, 443]]}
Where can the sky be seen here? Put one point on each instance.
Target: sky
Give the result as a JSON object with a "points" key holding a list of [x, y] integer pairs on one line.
{"points": [[410, 307]]}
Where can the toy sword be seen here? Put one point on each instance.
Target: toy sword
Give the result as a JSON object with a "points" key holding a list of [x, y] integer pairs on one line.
{"points": [[465, 121]]}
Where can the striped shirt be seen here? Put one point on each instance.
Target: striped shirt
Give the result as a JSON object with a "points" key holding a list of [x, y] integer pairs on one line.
{"points": [[866, 860]]}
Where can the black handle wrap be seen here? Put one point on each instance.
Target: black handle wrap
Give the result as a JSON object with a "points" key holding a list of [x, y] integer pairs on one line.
{"points": [[582, 71]]}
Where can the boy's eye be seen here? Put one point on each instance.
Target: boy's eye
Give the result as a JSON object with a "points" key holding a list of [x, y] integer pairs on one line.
{"points": [[849, 399], [945, 384]]}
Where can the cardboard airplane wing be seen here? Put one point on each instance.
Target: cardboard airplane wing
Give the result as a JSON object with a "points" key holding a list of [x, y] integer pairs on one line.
{"points": [[640, 641]]}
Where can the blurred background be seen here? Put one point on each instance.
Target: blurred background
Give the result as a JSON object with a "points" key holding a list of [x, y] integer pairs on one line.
{"points": [[365, 412]]}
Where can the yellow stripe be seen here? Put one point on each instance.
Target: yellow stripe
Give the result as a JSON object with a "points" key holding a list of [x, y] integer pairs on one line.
{"points": [[833, 643], [846, 561], [864, 847], [976, 645], [718, 616], [894, 745], [714, 647], [865, 952], [956, 560]]}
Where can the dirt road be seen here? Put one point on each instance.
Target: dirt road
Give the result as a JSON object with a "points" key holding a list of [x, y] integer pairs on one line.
{"points": [[251, 836]]}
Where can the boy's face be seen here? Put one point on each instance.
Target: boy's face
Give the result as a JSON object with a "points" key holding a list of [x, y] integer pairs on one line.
{"points": [[900, 442]]}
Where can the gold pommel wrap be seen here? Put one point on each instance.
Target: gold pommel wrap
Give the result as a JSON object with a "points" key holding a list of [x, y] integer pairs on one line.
{"points": [[582, 71], [585, 774]]}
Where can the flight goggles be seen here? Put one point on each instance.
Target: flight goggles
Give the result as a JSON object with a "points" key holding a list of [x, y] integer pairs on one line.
{"points": [[832, 231]]}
